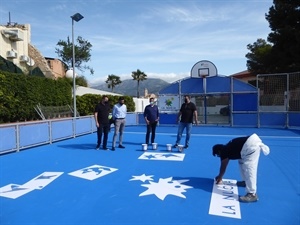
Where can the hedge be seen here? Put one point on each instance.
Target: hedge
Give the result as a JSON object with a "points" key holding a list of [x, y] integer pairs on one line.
{"points": [[20, 93]]}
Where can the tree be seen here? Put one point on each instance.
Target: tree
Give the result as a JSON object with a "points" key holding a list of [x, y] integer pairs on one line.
{"points": [[259, 58], [284, 20], [113, 81], [283, 52], [138, 76], [82, 53], [79, 80]]}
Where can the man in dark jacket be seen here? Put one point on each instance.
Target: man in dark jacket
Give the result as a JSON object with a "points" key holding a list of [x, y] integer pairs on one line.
{"points": [[101, 114], [151, 115]]}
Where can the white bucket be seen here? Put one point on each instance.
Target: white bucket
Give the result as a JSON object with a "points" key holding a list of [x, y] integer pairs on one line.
{"points": [[154, 146], [180, 148], [144, 147], [169, 147]]}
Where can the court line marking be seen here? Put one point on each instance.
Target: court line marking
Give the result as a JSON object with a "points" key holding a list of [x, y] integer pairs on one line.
{"points": [[218, 135]]}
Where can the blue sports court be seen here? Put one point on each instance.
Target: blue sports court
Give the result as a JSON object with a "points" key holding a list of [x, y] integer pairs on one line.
{"points": [[70, 183]]}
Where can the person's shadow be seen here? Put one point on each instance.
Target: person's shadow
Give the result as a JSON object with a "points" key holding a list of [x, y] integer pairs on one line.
{"points": [[79, 146], [203, 183]]}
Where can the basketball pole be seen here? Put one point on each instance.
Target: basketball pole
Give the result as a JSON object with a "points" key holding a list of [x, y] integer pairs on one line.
{"points": [[204, 90]]}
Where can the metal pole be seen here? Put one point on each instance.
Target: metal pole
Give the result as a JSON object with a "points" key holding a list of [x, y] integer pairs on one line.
{"points": [[205, 98], [73, 62]]}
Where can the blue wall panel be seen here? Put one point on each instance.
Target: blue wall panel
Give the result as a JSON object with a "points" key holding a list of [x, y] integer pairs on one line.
{"points": [[62, 129], [245, 102], [273, 119], [8, 138], [141, 119], [240, 86], [294, 119], [192, 85], [171, 89], [83, 126], [131, 119], [217, 84], [34, 134], [245, 119], [165, 118]]}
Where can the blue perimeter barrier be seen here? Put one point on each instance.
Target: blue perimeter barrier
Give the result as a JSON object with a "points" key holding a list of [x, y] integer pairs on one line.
{"points": [[18, 136]]}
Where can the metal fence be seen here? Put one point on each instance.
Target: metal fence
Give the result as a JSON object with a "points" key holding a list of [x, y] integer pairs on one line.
{"points": [[279, 97], [277, 104]]}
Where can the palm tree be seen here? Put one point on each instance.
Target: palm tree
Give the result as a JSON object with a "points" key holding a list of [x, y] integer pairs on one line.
{"points": [[112, 81], [138, 76]]}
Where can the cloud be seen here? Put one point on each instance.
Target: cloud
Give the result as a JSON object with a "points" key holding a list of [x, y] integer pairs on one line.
{"points": [[163, 38], [169, 77]]}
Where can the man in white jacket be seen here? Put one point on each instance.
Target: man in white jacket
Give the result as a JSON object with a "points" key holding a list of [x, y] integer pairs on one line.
{"points": [[246, 150]]}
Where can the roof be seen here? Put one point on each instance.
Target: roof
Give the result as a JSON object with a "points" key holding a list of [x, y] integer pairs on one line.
{"points": [[243, 74], [215, 84], [80, 90]]}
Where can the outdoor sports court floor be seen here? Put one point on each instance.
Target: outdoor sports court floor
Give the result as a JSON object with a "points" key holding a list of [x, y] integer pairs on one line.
{"points": [[71, 183]]}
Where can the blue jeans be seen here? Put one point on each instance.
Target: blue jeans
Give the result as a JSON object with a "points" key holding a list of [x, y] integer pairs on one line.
{"points": [[151, 128], [181, 127]]}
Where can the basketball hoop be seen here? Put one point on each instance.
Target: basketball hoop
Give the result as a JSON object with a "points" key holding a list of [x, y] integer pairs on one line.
{"points": [[203, 69]]}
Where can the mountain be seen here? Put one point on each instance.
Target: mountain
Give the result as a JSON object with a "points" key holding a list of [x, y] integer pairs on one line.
{"points": [[129, 87]]}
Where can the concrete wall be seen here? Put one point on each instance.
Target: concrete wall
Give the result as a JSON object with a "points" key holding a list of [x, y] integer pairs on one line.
{"points": [[15, 43], [16, 39], [140, 104]]}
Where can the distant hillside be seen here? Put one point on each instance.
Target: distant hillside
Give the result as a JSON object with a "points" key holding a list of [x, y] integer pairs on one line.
{"points": [[129, 87]]}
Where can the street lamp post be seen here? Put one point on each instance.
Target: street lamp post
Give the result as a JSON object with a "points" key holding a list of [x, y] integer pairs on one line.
{"points": [[76, 17]]}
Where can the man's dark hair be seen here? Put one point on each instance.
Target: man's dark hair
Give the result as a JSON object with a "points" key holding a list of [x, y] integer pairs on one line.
{"points": [[216, 151]]}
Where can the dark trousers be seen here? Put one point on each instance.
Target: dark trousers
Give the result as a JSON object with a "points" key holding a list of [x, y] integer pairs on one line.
{"points": [[102, 129], [151, 129]]}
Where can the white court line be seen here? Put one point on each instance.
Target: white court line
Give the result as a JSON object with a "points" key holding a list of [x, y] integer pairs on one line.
{"points": [[219, 135]]}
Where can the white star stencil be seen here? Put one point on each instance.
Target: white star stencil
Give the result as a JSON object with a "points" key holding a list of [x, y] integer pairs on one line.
{"points": [[166, 187], [163, 156], [142, 178]]}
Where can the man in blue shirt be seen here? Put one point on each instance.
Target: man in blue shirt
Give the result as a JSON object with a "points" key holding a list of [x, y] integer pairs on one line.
{"points": [[119, 115], [151, 115]]}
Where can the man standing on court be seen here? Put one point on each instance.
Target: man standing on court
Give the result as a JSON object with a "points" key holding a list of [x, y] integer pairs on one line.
{"points": [[102, 121], [186, 114], [246, 150], [119, 115], [151, 115]]}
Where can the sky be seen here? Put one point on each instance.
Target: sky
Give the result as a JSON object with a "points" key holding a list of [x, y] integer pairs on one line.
{"points": [[162, 38]]}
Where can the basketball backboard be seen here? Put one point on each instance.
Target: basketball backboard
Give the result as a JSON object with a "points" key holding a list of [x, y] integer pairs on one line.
{"points": [[204, 68]]}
